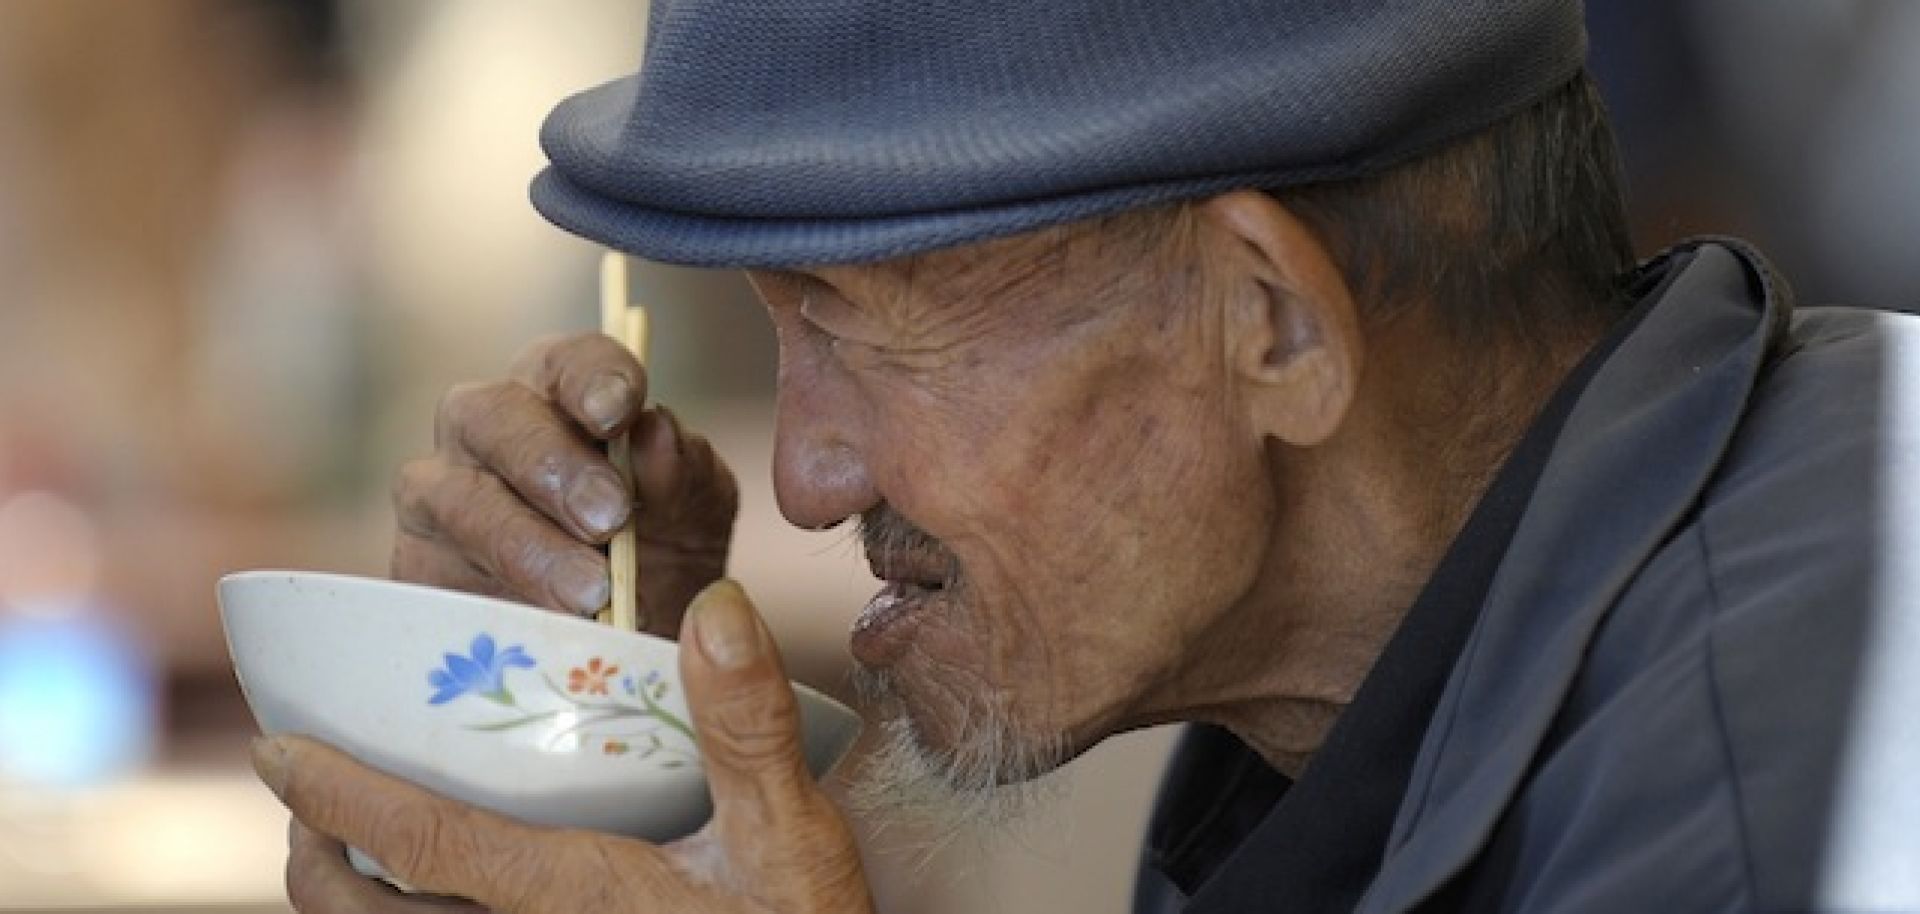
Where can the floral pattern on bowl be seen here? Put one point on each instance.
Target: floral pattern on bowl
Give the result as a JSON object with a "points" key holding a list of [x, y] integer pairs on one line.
{"points": [[618, 716]]}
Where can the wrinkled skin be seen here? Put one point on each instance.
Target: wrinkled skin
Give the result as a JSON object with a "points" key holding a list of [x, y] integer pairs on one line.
{"points": [[1062, 442], [1151, 459], [518, 491]]}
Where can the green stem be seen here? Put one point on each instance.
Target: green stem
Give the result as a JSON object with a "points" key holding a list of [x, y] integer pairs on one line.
{"points": [[667, 717], [653, 709], [516, 722], [581, 725]]}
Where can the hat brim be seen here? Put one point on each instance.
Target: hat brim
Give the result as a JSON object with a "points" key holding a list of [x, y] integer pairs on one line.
{"points": [[708, 241], [685, 207]]}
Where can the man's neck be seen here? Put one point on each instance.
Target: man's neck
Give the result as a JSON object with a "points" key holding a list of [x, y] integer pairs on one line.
{"points": [[1367, 519]]}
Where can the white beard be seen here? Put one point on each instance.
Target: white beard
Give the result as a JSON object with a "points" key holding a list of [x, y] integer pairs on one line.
{"points": [[991, 783]]}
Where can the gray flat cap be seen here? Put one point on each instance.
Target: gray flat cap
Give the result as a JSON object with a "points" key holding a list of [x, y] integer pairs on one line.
{"points": [[787, 132]]}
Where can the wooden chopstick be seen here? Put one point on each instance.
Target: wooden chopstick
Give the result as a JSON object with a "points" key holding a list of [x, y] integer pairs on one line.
{"points": [[627, 323]]}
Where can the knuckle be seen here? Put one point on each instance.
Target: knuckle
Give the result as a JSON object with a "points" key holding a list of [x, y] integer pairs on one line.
{"points": [[533, 356], [413, 842], [423, 561], [411, 486], [584, 349], [535, 459], [487, 525], [558, 368], [456, 408], [555, 358], [523, 874], [448, 498], [755, 729], [517, 554]]}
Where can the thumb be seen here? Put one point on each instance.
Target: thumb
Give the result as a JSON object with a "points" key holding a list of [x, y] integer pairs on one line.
{"points": [[782, 839], [745, 715]]}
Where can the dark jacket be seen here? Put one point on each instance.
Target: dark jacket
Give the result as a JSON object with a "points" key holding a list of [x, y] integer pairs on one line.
{"points": [[1694, 683]]}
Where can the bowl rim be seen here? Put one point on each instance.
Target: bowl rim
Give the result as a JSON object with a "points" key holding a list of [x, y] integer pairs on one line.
{"points": [[566, 620]]}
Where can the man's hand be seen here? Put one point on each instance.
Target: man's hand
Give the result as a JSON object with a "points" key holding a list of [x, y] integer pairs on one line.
{"points": [[518, 491], [776, 843]]}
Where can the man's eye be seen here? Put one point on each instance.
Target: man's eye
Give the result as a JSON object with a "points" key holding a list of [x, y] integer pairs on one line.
{"points": [[853, 353], [847, 346], [811, 311], [818, 326], [834, 337]]}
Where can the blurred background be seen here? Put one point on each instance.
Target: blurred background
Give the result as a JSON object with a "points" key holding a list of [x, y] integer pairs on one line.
{"points": [[245, 244]]}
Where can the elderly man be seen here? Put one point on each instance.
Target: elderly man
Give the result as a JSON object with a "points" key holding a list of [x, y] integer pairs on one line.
{"points": [[1280, 368]]}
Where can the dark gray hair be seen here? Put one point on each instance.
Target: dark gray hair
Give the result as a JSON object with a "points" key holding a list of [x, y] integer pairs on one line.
{"points": [[1515, 233]]}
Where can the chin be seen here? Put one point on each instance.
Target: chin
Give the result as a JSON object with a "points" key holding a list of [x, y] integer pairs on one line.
{"points": [[964, 736], [941, 780]]}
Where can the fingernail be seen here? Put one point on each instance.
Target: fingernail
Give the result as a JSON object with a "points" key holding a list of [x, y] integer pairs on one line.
{"points": [[608, 400], [598, 501], [582, 584], [270, 762], [729, 633]]}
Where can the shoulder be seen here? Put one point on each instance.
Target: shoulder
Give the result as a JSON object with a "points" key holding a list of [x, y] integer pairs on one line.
{"points": [[1801, 530], [1703, 756], [1728, 700], [1810, 534]]}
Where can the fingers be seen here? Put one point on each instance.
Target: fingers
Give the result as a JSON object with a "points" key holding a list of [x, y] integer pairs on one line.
{"points": [[683, 487], [520, 437], [519, 492], [421, 839], [684, 521], [780, 833], [744, 710], [321, 881], [590, 377], [472, 513], [440, 846], [422, 560]]}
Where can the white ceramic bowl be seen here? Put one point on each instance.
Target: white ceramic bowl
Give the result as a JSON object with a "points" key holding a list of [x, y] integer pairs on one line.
{"points": [[550, 719]]}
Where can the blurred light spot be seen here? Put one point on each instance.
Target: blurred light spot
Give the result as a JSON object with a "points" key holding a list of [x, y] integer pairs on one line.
{"points": [[191, 842], [76, 707], [49, 552], [195, 842]]}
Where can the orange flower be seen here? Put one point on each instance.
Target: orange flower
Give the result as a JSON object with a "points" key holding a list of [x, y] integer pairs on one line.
{"points": [[592, 679], [615, 747]]}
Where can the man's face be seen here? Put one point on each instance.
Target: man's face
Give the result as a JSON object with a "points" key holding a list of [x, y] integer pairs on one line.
{"points": [[1042, 440]]}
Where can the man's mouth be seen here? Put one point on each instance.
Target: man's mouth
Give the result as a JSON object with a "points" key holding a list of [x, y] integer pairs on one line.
{"points": [[885, 628]]}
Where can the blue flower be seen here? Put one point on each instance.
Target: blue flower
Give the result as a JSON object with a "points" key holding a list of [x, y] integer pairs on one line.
{"points": [[626, 682], [484, 674]]}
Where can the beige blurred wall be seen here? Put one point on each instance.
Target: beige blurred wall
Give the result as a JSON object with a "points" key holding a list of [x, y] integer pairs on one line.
{"points": [[231, 299]]}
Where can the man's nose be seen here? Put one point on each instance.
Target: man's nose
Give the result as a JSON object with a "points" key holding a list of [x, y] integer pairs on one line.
{"points": [[820, 473]]}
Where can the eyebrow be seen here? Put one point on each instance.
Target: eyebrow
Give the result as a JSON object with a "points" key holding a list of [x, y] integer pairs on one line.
{"points": [[1012, 270], [1006, 271]]}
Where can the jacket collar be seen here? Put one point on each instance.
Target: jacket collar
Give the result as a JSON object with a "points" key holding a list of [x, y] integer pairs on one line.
{"points": [[1637, 450]]}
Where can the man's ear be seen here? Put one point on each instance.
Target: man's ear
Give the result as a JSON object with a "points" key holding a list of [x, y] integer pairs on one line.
{"points": [[1293, 334]]}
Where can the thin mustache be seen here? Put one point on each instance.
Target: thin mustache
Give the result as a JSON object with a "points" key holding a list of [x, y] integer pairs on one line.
{"points": [[884, 531]]}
